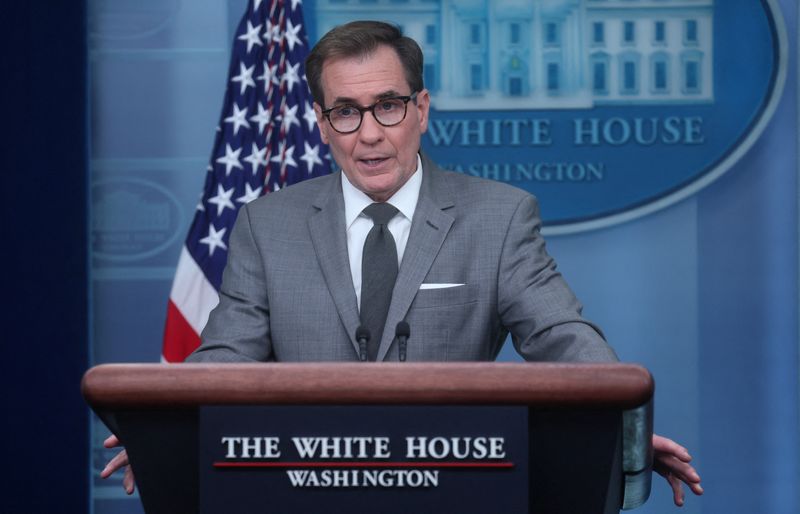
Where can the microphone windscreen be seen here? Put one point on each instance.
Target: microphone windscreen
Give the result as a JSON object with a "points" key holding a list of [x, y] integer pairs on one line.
{"points": [[362, 332], [403, 330]]}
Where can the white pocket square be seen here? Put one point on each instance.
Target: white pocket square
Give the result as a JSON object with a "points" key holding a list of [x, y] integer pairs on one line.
{"points": [[438, 286]]}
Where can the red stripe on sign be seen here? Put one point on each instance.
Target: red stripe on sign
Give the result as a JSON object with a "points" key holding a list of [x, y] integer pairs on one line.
{"points": [[340, 464]]}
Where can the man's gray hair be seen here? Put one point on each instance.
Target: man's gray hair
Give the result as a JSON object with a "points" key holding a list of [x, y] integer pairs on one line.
{"points": [[359, 39]]}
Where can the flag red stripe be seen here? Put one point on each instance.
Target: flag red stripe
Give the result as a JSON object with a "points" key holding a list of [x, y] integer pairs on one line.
{"points": [[181, 336]]}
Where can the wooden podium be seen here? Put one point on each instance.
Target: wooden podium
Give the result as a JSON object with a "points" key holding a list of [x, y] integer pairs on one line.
{"points": [[589, 425]]}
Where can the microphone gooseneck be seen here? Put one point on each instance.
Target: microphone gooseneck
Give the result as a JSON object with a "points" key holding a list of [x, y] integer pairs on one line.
{"points": [[362, 336], [402, 333]]}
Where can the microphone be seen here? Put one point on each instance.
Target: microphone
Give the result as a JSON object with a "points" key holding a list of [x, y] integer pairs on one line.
{"points": [[362, 336], [402, 333]]}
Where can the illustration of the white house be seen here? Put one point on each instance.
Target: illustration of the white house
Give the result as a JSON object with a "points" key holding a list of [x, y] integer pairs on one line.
{"points": [[525, 54]]}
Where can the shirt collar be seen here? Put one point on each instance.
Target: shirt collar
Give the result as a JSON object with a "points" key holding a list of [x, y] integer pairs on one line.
{"points": [[405, 199]]}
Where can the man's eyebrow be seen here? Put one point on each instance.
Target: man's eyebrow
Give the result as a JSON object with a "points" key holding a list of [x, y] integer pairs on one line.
{"points": [[343, 100], [339, 100], [388, 94]]}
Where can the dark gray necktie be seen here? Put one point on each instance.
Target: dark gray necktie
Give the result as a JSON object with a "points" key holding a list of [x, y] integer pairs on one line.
{"points": [[378, 274]]}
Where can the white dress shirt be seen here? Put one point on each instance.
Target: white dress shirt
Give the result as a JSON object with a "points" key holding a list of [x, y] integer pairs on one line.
{"points": [[359, 224]]}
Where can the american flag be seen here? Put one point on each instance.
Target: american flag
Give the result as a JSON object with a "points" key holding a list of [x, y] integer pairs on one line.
{"points": [[267, 139]]}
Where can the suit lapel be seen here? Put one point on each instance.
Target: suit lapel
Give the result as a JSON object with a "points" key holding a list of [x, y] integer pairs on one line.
{"points": [[329, 237], [429, 228]]}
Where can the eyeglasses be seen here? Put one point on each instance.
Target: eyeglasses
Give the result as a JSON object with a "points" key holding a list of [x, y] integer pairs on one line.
{"points": [[347, 118]]}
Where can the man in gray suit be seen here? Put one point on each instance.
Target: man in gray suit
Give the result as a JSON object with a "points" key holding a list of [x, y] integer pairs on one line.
{"points": [[470, 267], [474, 267], [472, 264]]}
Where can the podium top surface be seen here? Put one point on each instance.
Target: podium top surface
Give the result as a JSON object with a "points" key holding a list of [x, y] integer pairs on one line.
{"points": [[117, 386]]}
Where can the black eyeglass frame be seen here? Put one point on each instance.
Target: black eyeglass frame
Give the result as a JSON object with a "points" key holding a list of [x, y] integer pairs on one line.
{"points": [[371, 109]]}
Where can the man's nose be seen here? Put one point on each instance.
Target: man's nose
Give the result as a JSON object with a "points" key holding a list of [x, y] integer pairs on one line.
{"points": [[370, 131]]}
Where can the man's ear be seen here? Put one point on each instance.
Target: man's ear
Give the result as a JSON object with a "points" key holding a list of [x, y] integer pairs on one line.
{"points": [[323, 127], [423, 106]]}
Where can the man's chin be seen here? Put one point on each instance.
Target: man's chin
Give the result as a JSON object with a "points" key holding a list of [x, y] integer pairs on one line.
{"points": [[380, 192]]}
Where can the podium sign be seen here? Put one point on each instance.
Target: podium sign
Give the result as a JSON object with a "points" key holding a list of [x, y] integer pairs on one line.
{"points": [[389, 459], [221, 435]]}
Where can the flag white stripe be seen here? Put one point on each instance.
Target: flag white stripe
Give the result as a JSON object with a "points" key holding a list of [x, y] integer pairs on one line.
{"points": [[192, 293]]}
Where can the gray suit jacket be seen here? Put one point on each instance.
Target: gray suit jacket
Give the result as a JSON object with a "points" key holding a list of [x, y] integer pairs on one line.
{"points": [[287, 292]]}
